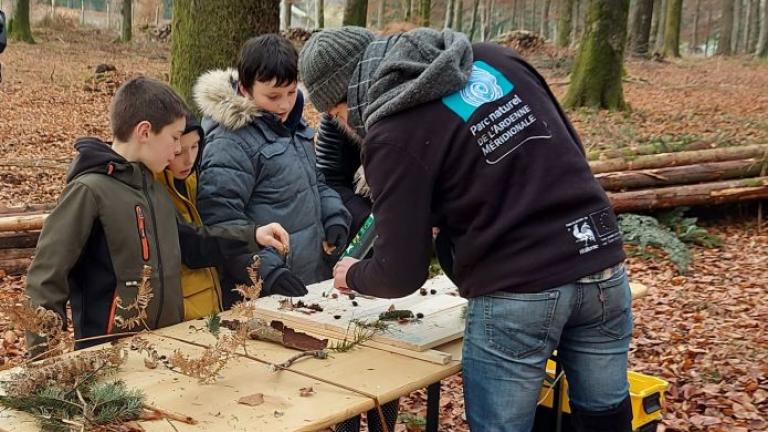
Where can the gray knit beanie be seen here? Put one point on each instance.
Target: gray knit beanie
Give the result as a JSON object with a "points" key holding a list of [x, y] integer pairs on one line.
{"points": [[327, 61]]}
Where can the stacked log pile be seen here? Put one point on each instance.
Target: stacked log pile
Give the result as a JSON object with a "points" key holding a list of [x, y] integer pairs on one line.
{"points": [[636, 179], [689, 177], [19, 230]]}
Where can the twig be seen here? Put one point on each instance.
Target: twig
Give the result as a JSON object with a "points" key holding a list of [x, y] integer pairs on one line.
{"points": [[171, 415], [321, 354]]}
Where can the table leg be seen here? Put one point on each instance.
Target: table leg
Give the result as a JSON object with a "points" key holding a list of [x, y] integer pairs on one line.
{"points": [[433, 407]]}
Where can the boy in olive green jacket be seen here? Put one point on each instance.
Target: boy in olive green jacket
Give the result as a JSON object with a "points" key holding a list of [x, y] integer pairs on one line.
{"points": [[113, 219]]}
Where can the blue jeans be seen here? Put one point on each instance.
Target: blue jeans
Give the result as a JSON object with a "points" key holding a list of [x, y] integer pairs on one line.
{"points": [[509, 337]]}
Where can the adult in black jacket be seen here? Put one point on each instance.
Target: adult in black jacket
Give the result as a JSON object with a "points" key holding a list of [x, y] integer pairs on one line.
{"points": [[469, 138]]}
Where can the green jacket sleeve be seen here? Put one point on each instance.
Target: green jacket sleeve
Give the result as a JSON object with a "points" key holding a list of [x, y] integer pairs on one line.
{"points": [[64, 235], [209, 246]]}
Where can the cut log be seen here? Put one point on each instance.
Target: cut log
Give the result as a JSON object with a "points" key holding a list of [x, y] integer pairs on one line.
{"points": [[698, 194], [22, 223], [26, 210], [13, 240], [9, 254], [649, 149], [16, 266], [680, 175], [681, 158]]}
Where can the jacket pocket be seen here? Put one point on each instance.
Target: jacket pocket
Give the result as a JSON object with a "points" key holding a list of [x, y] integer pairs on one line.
{"points": [[142, 229]]}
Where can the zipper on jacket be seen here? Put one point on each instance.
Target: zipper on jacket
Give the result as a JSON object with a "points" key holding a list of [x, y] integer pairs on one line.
{"points": [[141, 225], [157, 246]]}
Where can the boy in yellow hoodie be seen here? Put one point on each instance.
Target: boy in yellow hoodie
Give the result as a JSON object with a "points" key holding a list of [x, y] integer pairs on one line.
{"points": [[200, 286]]}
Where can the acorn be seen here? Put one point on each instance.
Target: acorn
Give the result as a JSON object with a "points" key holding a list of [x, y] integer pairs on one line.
{"points": [[423, 291], [433, 291], [354, 303], [419, 315], [352, 296]]}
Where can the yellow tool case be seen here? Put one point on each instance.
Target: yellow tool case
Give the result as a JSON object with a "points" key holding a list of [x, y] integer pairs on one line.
{"points": [[646, 392]]}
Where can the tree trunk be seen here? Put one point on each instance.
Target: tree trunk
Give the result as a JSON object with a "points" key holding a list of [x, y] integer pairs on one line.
{"points": [[514, 14], [737, 22], [672, 33], [762, 45], [21, 30], [473, 26], [82, 12], [695, 35], [641, 28], [126, 29], [578, 21], [754, 26], [680, 158], [698, 194], [425, 11], [407, 10], [458, 16], [53, 9], [680, 175], [356, 13], [709, 32], [449, 10], [565, 23], [320, 13], [285, 20], [380, 14], [228, 22], [545, 19], [596, 77], [659, 45], [655, 23], [532, 27], [724, 46]]}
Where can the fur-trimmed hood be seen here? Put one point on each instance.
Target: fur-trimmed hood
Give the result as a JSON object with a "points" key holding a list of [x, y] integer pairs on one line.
{"points": [[216, 95]]}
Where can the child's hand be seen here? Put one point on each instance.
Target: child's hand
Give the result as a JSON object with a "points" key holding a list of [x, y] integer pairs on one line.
{"points": [[273, 235]]}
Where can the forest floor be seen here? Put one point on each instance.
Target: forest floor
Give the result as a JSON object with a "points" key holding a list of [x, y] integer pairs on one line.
{"points": [[704, 332]]}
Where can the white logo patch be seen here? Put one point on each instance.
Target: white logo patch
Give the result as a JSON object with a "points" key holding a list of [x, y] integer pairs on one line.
{"points": [[481, 88]]}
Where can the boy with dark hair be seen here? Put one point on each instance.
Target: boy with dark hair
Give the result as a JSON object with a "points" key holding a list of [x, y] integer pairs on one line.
{"points": [[113, 219], [259, 165]]}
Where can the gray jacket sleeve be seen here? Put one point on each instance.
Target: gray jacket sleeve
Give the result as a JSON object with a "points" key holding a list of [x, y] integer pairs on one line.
{"points": [[227, 178]]}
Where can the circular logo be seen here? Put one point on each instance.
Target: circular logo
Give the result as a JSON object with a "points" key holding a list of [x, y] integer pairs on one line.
{"points": [[481, 88]]}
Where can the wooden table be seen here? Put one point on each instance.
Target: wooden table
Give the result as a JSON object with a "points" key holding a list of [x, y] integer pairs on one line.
{"points": [[383, 374]]}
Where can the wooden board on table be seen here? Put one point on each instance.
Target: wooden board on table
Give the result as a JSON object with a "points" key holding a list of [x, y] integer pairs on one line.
{"points": [[442, 322]]}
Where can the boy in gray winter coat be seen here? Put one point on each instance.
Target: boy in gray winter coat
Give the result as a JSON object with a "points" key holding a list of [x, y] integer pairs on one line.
{"points": [[258, 165]]}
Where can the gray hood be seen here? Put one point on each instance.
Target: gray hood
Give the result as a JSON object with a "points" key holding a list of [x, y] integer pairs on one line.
{"points": [[403, 71]]}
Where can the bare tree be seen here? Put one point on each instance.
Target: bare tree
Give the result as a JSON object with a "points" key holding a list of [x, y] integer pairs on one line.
{"points": [[695, 32], [356, 13], [473, 26], [565, 23], [662, 14], [737, 23], [753, 23], [671, 46], [724, 45], [450, 8], [285, 21], [320, 13], [545, 19], [762, 45], [641, 27]]}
